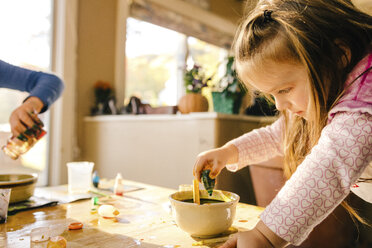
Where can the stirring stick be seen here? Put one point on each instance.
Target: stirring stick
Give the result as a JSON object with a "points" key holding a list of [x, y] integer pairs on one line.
{"points": [[195, 191], [222, 195]]}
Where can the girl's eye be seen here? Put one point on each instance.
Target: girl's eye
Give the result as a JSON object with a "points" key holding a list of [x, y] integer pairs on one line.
{"points": [[284, 91]]}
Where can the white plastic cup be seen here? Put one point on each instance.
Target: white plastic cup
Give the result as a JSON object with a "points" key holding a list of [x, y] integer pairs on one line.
{"points": [[4, 204], [79, 177]]}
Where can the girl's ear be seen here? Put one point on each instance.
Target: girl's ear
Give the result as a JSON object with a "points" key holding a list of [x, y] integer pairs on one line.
{"points": [[346, 57]]}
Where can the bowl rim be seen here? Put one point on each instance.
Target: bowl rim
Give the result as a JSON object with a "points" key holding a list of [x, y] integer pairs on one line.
{"points": [[20, 182], [233, 201]]}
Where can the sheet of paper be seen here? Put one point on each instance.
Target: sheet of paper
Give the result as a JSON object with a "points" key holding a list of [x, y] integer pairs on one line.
{"points": [[60, 193]]}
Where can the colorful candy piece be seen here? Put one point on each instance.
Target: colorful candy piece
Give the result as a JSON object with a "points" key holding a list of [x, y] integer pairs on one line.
{"points": [[75, 226], [94, 201], [57, 242], [108, 211]]}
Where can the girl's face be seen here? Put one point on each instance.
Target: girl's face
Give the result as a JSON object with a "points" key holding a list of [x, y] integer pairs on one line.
{"points": [[286, 82]]}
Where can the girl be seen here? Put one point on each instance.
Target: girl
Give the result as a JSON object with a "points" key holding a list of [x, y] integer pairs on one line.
{"points": [[314, 59]]}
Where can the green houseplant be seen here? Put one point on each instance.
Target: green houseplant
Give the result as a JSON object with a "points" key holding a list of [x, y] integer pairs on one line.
{"points": [[228, 94], [195, 80]]}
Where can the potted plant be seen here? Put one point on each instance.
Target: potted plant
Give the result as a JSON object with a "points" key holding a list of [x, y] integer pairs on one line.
{"points": [[195, 80], [261, 106], [104, 99], [228, 94]]}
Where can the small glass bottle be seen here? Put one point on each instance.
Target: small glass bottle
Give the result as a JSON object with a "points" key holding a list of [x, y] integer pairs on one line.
{"points": [[19, 145], [118, 186], [95, 179], [208, 182]]}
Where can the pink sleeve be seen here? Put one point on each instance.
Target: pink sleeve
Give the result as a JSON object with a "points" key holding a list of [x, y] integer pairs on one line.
{"points": [[324, 178], [259, 145]]}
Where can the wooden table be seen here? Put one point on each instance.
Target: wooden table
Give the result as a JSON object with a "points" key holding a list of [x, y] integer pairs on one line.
{"points": [[145, 221]]}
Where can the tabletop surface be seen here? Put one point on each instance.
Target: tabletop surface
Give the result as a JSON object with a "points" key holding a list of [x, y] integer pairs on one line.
{"points": [[145, 220]]}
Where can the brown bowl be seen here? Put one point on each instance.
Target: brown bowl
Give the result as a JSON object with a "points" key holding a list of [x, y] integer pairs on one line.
{"points": [[22, 185]]}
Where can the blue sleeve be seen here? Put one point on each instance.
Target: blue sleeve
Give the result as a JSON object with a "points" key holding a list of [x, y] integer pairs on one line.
{"points": [[47, 87]]}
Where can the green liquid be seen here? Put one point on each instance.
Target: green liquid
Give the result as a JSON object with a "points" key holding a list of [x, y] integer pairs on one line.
{"points": [[204, 201]]}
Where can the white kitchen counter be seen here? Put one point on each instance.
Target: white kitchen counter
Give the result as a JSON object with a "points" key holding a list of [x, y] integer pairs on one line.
{"points": [[191, 116], [159, 149]]}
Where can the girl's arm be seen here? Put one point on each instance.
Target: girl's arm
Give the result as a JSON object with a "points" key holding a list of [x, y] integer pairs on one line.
{"points": [[258, 145], [324, 178]]}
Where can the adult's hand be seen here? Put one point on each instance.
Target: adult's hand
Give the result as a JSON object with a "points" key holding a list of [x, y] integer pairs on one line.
{"points": [[25, 116]]}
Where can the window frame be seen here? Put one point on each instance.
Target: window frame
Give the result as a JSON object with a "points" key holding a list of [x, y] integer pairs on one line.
{"points": [[177, 8]]}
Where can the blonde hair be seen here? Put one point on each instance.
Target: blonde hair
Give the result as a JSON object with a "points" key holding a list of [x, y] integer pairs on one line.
{"points": [[328, 37]]}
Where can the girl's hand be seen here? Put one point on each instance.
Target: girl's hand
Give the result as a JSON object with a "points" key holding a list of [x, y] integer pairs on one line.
{"points": [[248, 239], [215, 160], [25, 115]]}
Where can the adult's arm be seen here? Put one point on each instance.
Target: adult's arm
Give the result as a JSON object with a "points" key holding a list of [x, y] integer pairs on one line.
{"points": [[45, 86]]}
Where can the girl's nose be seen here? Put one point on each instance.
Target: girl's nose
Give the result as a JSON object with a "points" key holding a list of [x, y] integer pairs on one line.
{"points": [[281, 104]]}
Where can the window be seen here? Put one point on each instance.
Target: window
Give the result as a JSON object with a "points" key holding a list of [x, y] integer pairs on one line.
{"points": [[156, 58], [26, 31], [152, 62], [211, 57]]}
